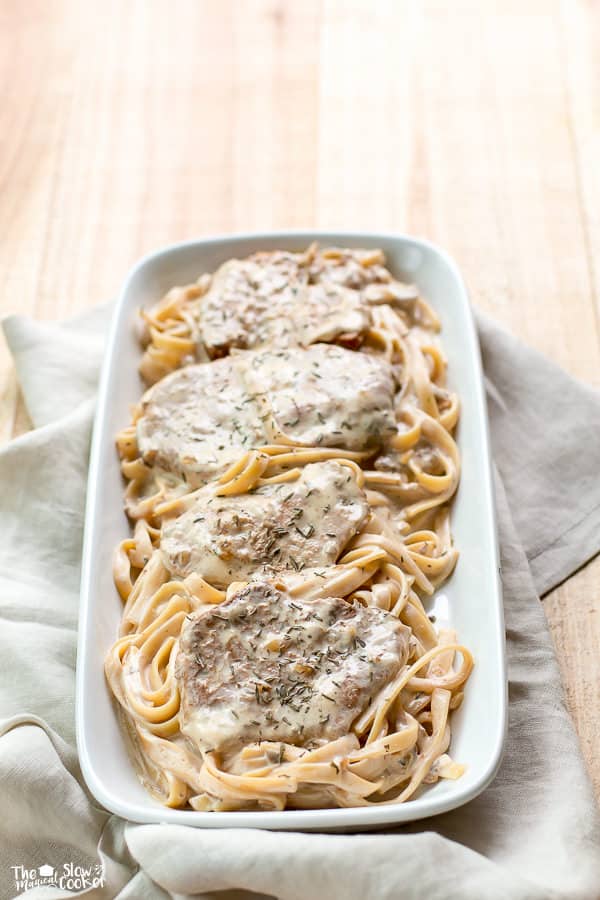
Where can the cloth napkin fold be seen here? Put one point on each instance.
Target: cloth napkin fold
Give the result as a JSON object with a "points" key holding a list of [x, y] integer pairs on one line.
{"points": [[534, 834]]}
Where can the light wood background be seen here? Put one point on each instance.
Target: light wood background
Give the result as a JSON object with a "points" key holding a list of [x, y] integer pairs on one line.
{"points": [[126, 125]]}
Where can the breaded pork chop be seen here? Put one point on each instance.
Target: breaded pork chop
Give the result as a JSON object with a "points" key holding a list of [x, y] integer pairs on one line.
{"points": [[277, 527], [265, 666], [200, 419]]}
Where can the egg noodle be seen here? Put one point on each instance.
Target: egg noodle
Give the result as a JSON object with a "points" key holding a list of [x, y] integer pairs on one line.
{"points": [[402, 553]]}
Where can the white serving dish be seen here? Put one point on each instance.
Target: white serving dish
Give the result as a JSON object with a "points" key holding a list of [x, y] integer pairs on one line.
{"points": [[471, 601]]}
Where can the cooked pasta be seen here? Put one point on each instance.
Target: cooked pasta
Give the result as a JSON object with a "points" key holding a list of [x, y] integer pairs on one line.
{"points": [[275, 649]]}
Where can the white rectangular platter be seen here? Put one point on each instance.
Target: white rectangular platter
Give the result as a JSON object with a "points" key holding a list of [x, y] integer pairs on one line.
{"points": [[470, 602]]}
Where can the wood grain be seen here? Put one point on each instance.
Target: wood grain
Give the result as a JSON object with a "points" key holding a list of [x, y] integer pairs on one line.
{"points": [[126, 125]]}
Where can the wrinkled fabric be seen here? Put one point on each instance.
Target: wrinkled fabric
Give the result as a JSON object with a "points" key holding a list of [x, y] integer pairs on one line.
{"points": [[534, 834]]}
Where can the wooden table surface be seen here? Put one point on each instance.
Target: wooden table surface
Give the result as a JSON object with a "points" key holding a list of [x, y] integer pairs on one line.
{"points": [[126, 125]]}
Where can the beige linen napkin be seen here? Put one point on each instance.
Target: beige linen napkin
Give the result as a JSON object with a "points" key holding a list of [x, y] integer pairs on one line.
{"points": [[534, 833]]}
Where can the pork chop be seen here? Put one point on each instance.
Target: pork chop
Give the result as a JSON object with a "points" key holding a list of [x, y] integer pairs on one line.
{"points": [[200, 419], [325, 395], [266, 300], [286, 526], [264, 666]]}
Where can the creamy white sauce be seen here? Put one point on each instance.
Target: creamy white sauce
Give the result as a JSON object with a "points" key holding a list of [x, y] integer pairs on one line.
{"points": [[270, 299], [264, 666], [277, 527], [325, 395], [198, 420]]}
